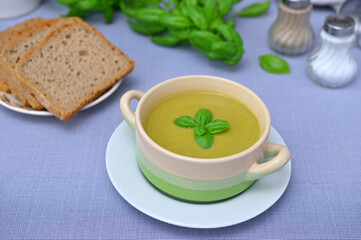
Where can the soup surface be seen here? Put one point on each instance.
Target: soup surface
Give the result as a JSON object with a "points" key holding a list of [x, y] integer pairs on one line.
{"points": [[243, 130]]}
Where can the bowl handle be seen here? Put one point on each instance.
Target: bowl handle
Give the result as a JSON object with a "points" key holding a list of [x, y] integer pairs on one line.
{"points": [[281, 156], [127, 112]]}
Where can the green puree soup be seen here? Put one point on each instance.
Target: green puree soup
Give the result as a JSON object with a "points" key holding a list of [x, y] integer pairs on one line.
{"points": [[243, 130]]}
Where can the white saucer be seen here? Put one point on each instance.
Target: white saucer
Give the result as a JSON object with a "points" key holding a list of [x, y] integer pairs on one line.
{"points": [[124, 173], [9, 101]]}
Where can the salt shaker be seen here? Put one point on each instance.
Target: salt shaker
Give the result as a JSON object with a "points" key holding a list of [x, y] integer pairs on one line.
{"points": [[332, 63], [291, 33]]}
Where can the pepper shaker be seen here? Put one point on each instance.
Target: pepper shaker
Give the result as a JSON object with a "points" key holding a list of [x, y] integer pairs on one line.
{"points": [[291, 33], [332, 63]]}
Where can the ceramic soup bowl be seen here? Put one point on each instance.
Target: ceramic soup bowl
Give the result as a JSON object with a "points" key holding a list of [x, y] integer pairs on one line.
{"points": [[197, 179]]}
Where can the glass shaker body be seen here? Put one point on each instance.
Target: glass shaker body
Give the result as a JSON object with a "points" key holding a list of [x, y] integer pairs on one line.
{"points": [[291, 33], [332, 63]]}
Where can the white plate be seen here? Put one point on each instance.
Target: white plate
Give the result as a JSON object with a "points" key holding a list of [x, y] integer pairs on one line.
{"points": [[124, 173], [9, 101], [15, 8]]}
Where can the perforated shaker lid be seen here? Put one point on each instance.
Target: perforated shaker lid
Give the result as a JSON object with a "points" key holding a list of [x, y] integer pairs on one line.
{"points": [[339, 25], [297, 4]]}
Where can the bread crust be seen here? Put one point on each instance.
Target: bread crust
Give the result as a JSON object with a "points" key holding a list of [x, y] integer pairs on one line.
{"points": [[10, 34], [13, 80], [41, 96]]}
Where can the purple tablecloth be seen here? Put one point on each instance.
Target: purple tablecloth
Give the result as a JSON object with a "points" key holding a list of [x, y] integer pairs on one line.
{"points": [[53, 181]]}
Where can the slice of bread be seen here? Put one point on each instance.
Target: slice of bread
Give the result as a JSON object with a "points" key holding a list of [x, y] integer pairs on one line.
{"points": [[10, 34], [15, 49], [72, 67]]}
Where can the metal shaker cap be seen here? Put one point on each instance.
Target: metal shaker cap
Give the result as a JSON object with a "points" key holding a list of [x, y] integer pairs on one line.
{"points": [[297, 4], [339, 25]]}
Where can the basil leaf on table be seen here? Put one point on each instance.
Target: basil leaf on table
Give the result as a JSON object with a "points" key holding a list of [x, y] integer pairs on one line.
{"points": [[150, 14], [67, 2], [217, 126], [108, 15], [203, 40], [225, 6], [146, 28], [174, 21], [190, 2], [255, 10], [166, 40], [81, 8], [223, 50], [274, 64], [185, 122], [182, 34], [205, 140], [203, 117], [149, 1], [209, 7], [235, 58], [129, 7], [74, 12], [197, 16], [215, 55], [229, 34], [87, 4], [215, 23], [231, 23]]}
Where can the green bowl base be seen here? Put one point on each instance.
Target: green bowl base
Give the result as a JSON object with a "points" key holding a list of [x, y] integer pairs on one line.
{"points": [[191, 195]]}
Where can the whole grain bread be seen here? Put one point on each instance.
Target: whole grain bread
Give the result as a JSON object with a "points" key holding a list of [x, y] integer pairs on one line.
{"points": [[10, 34], [74, 65], [15, 49]]}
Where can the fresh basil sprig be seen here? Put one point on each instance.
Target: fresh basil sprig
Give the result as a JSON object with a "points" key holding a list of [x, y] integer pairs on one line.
{"points": [[203, 117], [200, 23], [274, 64], [255, 9], [205, 140], [185, 121], [217, 126], [204, 128]]}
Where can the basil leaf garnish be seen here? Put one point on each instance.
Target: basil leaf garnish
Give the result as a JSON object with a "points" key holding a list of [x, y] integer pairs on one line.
{"points": [[205, 140], [204, 128], [274, 64], [200, 130], [217, 126], [203, 117], [255, 10], [185, 121]]}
